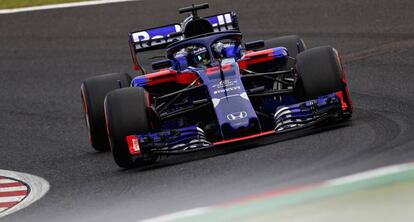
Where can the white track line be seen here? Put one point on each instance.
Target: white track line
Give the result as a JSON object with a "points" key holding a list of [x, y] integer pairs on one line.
{"points": [[179, 215], [382, 171], [63, 5], [38, 188]]}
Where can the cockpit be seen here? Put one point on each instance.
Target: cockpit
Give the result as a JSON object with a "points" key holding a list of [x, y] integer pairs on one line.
{"points": [[206, 51]]}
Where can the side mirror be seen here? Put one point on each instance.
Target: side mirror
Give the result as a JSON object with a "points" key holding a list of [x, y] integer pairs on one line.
{"points": [[165, 63], [254, 45]]}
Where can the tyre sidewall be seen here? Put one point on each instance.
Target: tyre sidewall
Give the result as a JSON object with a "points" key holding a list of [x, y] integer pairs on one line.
{"points": [[127, 113]]}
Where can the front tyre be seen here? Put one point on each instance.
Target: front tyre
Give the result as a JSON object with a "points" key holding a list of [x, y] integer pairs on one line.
{"points": [[127, 112]]}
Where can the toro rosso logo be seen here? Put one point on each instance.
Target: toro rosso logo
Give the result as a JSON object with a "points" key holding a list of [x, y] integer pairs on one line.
{"points": [[237, 115]]}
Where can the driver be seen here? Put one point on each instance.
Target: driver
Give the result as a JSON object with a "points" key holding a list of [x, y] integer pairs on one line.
{"points": [[200, 56], [196, 55]]}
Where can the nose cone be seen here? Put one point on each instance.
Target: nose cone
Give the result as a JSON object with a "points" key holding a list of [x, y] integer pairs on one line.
{"points": [[235, 114], [232, 130], [237, 117]]}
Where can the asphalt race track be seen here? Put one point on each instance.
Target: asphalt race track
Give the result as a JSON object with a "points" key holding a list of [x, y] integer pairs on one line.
{"points": [[45, 55]]}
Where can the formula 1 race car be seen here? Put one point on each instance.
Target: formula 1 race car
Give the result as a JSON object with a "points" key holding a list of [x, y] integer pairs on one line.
{"points": [[211, 89]]}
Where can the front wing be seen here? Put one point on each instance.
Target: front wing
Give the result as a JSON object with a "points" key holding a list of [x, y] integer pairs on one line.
{"points": [[192, 138]]}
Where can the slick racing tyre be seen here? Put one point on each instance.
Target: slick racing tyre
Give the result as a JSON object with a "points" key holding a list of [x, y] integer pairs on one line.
{"points": [[320, 72], [127, 113], [293, 43], [93, 92]]}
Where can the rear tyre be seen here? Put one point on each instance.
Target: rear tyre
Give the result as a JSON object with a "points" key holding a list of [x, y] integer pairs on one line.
{"points": [[127, 112], [93, 92], [293, 43], [320, 72]]}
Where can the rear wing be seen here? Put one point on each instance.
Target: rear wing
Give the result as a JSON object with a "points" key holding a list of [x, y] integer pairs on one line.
{"points": [[161, 37]]}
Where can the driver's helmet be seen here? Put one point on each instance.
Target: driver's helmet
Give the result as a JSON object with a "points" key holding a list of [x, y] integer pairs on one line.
{"points": [[198, 56]]}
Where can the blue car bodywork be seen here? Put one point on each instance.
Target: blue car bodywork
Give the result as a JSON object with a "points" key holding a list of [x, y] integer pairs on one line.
{"points": [[217, 103]]}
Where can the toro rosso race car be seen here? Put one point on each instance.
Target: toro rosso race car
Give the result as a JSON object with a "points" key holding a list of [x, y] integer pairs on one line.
{"points": [[211, 89]]}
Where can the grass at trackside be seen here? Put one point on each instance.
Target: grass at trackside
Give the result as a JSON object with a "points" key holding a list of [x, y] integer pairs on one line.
{"points": [[7, 4]]}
